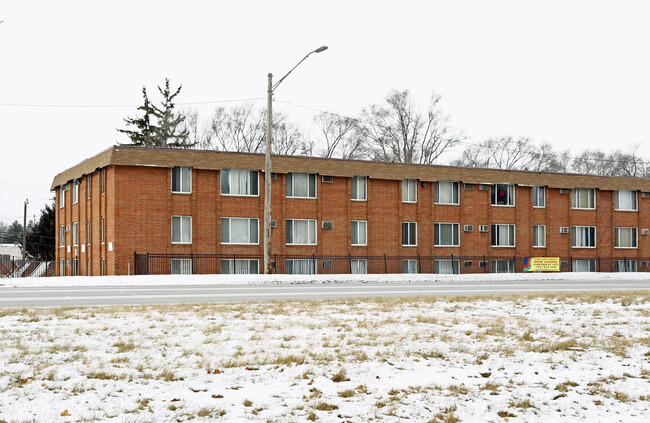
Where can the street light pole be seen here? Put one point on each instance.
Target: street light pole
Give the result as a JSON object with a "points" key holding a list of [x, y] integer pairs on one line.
{"points": [[267, 160]]}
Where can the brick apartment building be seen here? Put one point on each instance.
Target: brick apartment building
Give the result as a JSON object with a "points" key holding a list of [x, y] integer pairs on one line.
{"points": [[182, 205]]}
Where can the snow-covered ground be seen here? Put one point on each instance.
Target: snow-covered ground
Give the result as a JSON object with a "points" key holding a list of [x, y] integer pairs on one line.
{"points": [[302, 279], [569, 358]]}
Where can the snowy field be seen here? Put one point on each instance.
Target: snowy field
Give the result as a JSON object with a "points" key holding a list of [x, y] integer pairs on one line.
{"points": [[569, 358]]}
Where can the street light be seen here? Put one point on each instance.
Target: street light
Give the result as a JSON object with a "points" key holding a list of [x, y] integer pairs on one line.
{"points": [[267, 164]]}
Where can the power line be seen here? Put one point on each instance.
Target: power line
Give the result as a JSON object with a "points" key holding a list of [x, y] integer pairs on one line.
{"points": [[117, 106]]}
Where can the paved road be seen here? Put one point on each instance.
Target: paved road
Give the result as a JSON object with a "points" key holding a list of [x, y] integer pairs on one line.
{"points": [[80, 296]]}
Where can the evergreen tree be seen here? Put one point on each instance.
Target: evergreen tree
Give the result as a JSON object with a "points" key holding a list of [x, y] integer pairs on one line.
{"points": [[41, 235], [12, 234], [160, 126]]}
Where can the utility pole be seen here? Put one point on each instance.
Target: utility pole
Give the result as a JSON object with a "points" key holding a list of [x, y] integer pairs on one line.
{"points": [[25, 232]]}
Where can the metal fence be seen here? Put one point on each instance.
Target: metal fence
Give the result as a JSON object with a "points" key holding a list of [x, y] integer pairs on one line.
{"points": [[162, 264], [18, 268]]}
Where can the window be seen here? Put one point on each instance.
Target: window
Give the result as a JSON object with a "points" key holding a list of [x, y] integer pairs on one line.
{"points": [[409, 191], [625, 200], [88, 233], [503, 195], [503, 235], [583, 236], [625, 266], [75, 191], [301, 185], [181, 229], [62, 236], [240, 267], [446, 266], [301, 231], [446, 234], [237, 230], [181, 266], [359, 188], [75, 233], [539, 235], [409, 233], [409, 266], [103, 270], [182, 179], [359, 232], [103, 182], [88, 269], [88, 187], [301, 267], [358, 266], [584, 265], [62, 197], [446, 193], [240, 182], [103, 231], [503, 266], [539, 196], [625, 237], [583, 198], [62, 267], [75, 267]]}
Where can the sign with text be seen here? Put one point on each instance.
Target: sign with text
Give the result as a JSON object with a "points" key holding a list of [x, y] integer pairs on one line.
{"points": [[541, 264]]}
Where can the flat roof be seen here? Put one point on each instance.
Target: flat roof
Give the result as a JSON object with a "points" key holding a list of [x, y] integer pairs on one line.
{"points": [[215, 160]]}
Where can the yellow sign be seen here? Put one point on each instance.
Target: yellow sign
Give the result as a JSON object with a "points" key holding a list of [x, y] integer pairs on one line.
{"points": [[541, 264]]}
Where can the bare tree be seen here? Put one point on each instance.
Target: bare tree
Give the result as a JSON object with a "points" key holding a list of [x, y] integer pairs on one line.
{"points": [[398, 131], [339, 136], [617, 163], [199, 132]]}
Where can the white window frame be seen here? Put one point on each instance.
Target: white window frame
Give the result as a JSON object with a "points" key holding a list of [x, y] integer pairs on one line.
{"points": [[406, 194], [180, 220], [226, 182], [536, 197], [311, 264], [511, 243], [617, 200], [61, 236], [103, 176], [182, 173], [291, 185], [103, 230], [626, 265], [455, 192], [61, 267], [311, 224], [62, 197], [411, 227], [89, 232], [182, 264], [228, 221], [575, 198], [579, 262], [88, 186], [239, 265], [510, 195], [410, 265], [357, 265], [574, 232], [89, 269], [361, 227], [633, 236], [361, 185], [455, 266], [75, 191], [536, 231], [103, 269], [455, 234], [75, 233], [510, 268]]}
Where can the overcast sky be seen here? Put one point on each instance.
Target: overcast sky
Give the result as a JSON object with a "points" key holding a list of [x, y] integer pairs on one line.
{"points": [[573, 73]]}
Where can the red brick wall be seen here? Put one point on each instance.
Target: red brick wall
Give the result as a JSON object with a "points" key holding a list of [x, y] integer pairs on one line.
{"points": [[138, 205]]}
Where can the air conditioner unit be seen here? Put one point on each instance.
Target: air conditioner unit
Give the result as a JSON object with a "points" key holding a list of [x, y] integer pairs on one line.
{"points": [[469, 186], [483, 228], [273, 176], [67, 228], [564, 190], [327, 224], [468, 228], [274, 224], [645, 231], [564, 230], [644, 264], [326, 178], [66, 187], [484, 187], [645, 195], [327, 265]]}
